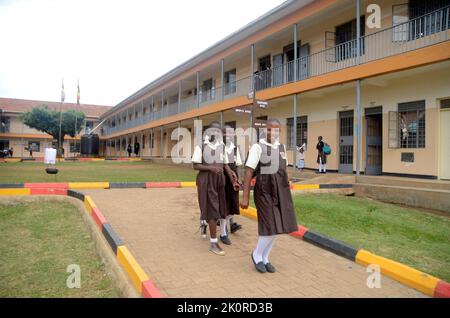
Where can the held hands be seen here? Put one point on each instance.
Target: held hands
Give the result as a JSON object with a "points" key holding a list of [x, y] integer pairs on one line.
{"points": [[216, 170], [244, 203], [237, 185]]}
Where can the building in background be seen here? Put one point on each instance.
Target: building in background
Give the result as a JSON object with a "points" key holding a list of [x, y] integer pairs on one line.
{"points": [[16, 135], [379, 96]]}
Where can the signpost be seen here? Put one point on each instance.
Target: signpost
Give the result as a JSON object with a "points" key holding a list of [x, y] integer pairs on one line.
{"points": [[244, 110], [260, 103]]}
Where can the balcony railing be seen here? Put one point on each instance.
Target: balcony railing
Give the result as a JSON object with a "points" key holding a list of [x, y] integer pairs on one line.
{"points": [[427, 30]]}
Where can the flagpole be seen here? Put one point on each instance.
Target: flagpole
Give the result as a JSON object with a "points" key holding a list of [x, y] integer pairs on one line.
{"points": [[76, 117], [60, 119]]}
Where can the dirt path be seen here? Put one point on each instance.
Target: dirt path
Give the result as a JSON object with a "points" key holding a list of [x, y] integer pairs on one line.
{"points": [[160, 228]]}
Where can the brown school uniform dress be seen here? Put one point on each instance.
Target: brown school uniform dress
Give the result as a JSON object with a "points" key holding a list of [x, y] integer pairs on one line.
{"points": [[273, 198], [232, 196], [321, 154], [211, 190]]}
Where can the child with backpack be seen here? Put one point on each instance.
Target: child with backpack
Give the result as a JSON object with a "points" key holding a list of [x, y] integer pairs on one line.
{"points": [[323, 151]]}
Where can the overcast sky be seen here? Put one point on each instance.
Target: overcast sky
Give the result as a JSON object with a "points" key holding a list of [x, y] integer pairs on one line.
{"points": [[113, 47]]}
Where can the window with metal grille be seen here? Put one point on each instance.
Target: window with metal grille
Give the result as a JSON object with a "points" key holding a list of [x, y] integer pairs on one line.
{"points": [[302, 131], [346, 125], [75, 146], [34, 145], [230, 82], [428, 17], [5, 124], [411, 124]]}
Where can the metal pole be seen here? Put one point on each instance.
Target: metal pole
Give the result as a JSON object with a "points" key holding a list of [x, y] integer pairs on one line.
{"points": [[162, 104], [222, 78], [150, 137], [358, 31], [252, 87], [295, 53], [178, 140], [198, 89], [179, 96], [295, 111], [358, 88], [358, 126], [162, 141], [59, 136], [221, 119]]}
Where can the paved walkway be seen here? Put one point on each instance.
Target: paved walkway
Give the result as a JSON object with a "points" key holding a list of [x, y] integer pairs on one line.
{"points": [[160, 226]]}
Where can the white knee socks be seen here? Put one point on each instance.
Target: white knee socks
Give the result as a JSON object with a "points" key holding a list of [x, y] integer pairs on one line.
{"points": [[229, 219], [263, 248], [265, 256], [322, 166], [223, 227]]}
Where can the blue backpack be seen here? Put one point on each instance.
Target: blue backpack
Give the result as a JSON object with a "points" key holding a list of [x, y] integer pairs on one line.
{"points": [[326, 149]]}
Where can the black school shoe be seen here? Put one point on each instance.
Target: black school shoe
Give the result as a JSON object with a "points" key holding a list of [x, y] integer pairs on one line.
{"points": [[260, 267], [235, 227], [270, 268], [225, 240]]}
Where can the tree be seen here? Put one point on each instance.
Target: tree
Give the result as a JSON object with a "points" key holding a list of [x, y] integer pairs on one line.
{"points": [[46, 120]]}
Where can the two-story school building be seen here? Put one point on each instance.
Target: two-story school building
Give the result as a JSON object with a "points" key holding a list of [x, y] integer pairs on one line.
{"points": [[371, 77], [18, 136]]}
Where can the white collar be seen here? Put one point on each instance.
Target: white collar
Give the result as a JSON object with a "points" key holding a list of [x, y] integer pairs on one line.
{"points": [[274, 145], [214, 145], [229, 148]]}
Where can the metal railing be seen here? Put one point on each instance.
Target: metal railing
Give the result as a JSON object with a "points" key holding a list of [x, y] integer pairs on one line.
{"points": [[423, 31], [188, 103]]}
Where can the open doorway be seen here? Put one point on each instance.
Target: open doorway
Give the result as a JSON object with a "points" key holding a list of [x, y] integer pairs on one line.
{"points": [[374, 148]]}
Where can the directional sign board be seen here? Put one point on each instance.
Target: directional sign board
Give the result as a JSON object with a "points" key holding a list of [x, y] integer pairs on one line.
{"points": [[243, 110], [261, 103], [260, 123]]}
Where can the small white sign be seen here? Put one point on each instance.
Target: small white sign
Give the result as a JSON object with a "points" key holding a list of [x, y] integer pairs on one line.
{"points": [[50, 156]]}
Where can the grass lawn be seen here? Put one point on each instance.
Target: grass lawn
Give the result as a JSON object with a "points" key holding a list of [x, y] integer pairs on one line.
{"points": [[37, 243], [407, 235], [111, 171]]}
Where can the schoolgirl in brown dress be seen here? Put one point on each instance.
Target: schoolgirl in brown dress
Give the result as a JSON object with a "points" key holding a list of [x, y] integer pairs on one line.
{"points": [[208, 160], [233, 161], [272, 195]]}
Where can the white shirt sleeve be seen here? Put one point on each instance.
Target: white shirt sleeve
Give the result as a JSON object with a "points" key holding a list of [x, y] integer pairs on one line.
{"points": [[285, 153], [197, 156], [254, 155], [238, 158], [225, 157]]}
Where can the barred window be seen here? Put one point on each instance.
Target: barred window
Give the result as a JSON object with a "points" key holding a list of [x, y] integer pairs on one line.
{"points": [[5, 124], [34, 145], [302, 131], [74, 146], [411, 119]]}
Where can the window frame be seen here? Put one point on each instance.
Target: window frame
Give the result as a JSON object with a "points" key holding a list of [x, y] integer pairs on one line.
{"points": [[417, 144], [302, 129]]}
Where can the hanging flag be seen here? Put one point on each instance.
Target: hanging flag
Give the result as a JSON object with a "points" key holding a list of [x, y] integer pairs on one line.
{"points": [[63, 95], [78, 93]]}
